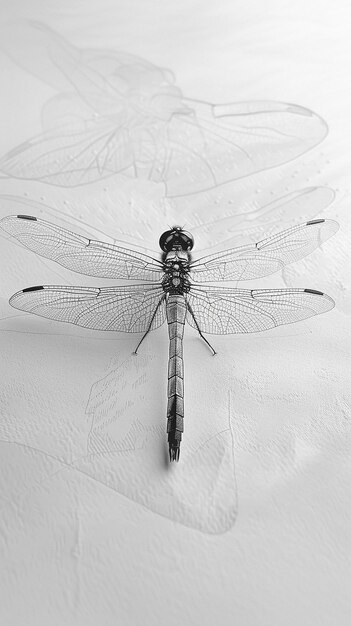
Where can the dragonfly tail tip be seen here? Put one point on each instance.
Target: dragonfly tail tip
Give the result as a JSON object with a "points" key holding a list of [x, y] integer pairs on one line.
{"points": [[174, 452]]}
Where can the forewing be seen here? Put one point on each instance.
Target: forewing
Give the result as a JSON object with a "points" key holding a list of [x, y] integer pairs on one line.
{"points": [[73, 155], [80, 254], [230, 311], [126, 309], [265, 257], [248, 220], [221, 143]]}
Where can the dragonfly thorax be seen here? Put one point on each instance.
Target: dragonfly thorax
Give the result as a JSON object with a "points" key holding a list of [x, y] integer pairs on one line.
{"points": [[176, 268]]}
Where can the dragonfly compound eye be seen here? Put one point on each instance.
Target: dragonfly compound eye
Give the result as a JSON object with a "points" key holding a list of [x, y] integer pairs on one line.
{"points": [[175, 238]]}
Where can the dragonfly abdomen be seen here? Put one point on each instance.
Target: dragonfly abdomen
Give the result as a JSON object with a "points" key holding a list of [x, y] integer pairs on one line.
{"points": [[176, 313]]}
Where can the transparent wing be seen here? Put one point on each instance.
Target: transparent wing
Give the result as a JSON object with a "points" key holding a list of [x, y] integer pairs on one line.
{"points": [[117, 113], [191, 151], [126, 309], [80, 254], [35, 47], [247, 219], [265, 257], [221, 143], [101, 77], [100, 125], [73, 155], [230, 311]]}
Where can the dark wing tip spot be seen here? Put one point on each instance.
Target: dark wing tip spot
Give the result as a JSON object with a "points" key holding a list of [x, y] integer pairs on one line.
{"points": [[317, 293], [314, 222], [32, 289], [27, 217]]}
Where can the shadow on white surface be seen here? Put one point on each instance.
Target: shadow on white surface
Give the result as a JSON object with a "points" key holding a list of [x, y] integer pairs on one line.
{"points": [[122, 438]]}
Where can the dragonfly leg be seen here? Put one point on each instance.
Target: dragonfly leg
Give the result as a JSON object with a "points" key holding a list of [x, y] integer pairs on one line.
{"points": [[149, 326], [199, 329]]}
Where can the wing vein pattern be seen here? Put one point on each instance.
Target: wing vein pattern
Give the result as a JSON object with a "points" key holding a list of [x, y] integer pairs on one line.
{"points": [[127, 309], [225, 311], [80, 254], [268, 256]]}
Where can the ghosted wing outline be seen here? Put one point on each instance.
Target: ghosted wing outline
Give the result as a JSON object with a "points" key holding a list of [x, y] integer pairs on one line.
{"points": [[192, 151], [116, 113]]}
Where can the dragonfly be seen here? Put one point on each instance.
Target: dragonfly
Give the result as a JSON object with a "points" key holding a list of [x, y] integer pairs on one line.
{"points": [[174, 287], [117, 114]]}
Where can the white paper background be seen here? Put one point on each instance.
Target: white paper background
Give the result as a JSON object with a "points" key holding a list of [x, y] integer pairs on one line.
{"points": [[77, 548]]}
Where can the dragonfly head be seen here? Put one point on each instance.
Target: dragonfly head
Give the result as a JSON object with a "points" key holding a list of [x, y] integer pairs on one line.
{"points": [[175, 238]]}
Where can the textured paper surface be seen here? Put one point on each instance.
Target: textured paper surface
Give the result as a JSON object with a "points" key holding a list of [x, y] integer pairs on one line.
{"points": [[252, 526]]}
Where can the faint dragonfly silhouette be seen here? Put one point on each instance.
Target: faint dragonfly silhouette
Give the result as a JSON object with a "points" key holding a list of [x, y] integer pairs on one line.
{"points": [[173, 290], [118, 114]]}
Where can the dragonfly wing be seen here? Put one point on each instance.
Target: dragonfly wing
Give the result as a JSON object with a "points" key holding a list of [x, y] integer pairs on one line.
{"points": [[73, 155], [248, 219], [43, 52], [97, 75], [230, 311], [126, 309], [196, 145], [80, 254], [265, 257], [221, 143], [100, 122]]}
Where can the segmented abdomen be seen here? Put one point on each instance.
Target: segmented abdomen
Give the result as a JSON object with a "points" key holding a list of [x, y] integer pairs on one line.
{"points": [[176, 312]]}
